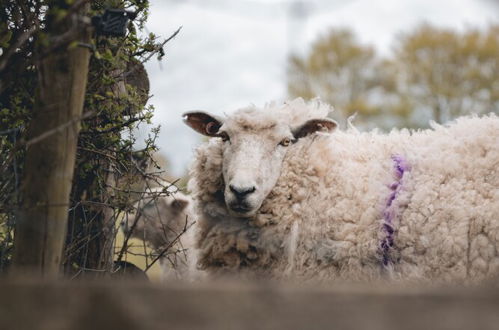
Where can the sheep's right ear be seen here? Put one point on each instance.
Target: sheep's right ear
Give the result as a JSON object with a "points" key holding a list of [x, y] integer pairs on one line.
{"points": [[203, 123]]}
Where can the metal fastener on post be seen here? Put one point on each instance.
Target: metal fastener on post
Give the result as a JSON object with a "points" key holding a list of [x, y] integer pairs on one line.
{"points": [[113, 22]]}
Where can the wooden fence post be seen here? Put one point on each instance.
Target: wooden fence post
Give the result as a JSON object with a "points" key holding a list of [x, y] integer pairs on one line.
{"points": [[51, 149]]}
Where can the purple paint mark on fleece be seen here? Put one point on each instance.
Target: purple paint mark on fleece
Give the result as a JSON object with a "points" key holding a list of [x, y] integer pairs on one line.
{"points": [[401, 166]]}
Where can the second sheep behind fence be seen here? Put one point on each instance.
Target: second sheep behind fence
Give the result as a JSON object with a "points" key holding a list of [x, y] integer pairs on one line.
{"points": [[164, 221]]}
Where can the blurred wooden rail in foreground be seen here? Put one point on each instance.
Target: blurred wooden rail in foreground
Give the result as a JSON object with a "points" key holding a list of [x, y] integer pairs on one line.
{"points": [[124, 306]]}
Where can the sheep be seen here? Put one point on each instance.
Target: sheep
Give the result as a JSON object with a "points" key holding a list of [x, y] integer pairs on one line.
{"points": [[280, 193], [165, 223]]}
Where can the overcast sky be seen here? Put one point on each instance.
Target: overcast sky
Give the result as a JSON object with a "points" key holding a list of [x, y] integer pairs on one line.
{"points": [[231, 53]]}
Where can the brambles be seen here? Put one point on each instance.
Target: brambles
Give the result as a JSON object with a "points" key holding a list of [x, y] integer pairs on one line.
{"points": [[109, 170]]}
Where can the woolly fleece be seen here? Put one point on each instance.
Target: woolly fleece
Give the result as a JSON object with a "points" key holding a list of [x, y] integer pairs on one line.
{"points": [[323, 219]]}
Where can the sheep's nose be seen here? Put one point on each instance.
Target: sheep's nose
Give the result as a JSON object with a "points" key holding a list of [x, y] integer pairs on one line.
{"points": [[241, 192]]}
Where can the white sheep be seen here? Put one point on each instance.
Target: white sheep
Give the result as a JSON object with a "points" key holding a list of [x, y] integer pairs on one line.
{"points": [[277, 193], [164, 221]]}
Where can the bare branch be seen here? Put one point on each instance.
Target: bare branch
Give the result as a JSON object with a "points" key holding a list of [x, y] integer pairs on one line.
{"points": [[153, 53], [164, 250], [20, 41], [58, 129], [117, 127]]}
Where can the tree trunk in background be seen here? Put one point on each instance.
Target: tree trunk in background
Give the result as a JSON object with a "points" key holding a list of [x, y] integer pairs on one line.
{"points": [[92, 223], [42, 218], [100, 250]]}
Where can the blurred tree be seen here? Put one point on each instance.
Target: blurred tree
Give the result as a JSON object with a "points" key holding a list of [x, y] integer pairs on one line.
{"points": [[343, 73], [434, 74], [449, 73]]}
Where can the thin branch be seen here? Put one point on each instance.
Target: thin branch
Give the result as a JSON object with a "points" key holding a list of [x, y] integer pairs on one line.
{"points": [[26, 35], [58, 129], [153, 53], [164, 250], [130, 232], [97, 152], [172, 36], [4, 59], [116, 127]]}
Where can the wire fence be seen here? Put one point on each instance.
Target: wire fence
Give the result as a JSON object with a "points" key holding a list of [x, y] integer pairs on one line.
{"points": [[96, 245]]}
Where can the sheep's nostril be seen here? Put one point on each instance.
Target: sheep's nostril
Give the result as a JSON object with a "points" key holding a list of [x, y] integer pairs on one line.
{"points": [[241, 192]]}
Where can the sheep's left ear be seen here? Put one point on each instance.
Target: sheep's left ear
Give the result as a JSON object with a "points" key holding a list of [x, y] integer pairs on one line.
{"points": [[314, 125]]}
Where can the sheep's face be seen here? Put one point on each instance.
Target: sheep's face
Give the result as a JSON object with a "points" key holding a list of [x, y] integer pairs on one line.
{"points": [[251, 165], [254, 147], [160, 219]]}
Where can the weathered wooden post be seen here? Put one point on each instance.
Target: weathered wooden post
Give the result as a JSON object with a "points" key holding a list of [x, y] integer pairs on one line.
{"points": [[52, 137]]}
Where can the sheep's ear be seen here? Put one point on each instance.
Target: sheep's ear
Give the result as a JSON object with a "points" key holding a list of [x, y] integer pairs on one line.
{"points": [[315, 125], [203, 123], [179, 204]]}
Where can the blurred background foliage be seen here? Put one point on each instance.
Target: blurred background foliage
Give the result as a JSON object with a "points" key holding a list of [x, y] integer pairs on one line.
{"points": [[433, 74]]}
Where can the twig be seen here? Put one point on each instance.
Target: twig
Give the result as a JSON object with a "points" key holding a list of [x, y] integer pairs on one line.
{"points": [[58, 129], [128, 235], [4, 59], [163, 252], [97, 152], [172, 36], [126, 74], [117, 127]]}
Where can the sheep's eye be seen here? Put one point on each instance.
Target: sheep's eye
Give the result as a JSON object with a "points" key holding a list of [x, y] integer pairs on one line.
{"points": [[224, 136], [285, 142]]}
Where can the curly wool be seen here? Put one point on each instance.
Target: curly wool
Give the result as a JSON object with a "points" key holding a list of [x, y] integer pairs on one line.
{"points": [[324, 218]]}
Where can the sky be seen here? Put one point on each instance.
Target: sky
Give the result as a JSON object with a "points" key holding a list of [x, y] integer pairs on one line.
{"points": [[232, 53]]}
